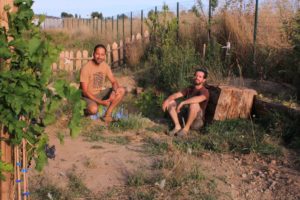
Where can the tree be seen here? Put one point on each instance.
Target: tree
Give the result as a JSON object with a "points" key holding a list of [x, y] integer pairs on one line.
{"points": [[96, 15], [66, 15], [165, 7], [195, 10], [123, 16]]}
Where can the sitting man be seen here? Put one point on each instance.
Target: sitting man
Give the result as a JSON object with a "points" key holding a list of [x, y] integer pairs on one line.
{"points": [[196, 97], [92, 79]]}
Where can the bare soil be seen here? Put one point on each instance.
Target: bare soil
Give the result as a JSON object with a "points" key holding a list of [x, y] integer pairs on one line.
{"points": [[105, 167]]}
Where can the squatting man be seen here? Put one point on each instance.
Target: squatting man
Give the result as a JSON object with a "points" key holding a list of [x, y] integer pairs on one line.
{"points": [[195, 99], [92, 79]]}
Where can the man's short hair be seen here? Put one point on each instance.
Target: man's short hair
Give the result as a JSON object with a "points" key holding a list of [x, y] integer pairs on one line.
{"points": [[202, 70], [99, 46]]}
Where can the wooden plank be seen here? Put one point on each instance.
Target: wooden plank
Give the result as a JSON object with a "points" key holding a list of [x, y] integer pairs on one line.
{"points": [[67, 61], [62, 60], [121, 52], [85, 55], [6, 156], [78, 61], [71, 64], [108, 56], [115, 56]]}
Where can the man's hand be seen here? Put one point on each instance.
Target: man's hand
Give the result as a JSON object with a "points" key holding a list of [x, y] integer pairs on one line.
{"points": [[165, 105], [104, 102], [179, 107]]}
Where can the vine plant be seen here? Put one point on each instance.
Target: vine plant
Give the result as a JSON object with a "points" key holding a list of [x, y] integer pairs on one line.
{"points": [[25, 69]]}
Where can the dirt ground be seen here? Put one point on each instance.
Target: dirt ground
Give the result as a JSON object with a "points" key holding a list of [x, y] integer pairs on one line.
{"points": [[106, 166]]}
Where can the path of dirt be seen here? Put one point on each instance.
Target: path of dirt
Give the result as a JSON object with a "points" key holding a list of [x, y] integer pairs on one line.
{"points": [[103, 166]]}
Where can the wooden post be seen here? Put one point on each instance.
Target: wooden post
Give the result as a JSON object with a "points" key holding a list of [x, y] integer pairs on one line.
{"points": [[71, 68], [78, 60], [85, 56], [108, 57], [6, 156], [121, 55], [6, 187], [66, 61], [146, 37], [115, 57], [61, 61]]}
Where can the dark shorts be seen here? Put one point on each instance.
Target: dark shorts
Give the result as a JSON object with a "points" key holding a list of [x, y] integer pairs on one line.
{"points": [[103, 95], [197, 123]]}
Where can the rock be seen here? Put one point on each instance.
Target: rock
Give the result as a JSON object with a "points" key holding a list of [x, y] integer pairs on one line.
{"points": [[162, 184]]}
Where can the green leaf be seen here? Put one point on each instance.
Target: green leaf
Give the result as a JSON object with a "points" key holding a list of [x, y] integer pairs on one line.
{"points": [[5, 53], [33, 45]]}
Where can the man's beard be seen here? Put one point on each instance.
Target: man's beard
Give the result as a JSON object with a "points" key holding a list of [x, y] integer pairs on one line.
{"points": [[197, 84], [98, 62]]}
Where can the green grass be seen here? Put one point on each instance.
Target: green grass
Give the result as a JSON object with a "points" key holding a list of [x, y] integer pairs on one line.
{"points": [[133, 122], [43, 192], [117, 140], [136, 179], [163, 164], [239, 135], [155, 146], [75, 189], [142, 195]]}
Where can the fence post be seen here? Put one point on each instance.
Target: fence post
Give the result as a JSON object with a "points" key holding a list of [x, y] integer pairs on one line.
{"points": [[78, 61], [124, 49], [177, 34], [142, 21], [123, 21], [254, 38], [155, 23], [112, 28], [101, 25], [130, 24], [117, 27], [105, 26], [209, 20]]}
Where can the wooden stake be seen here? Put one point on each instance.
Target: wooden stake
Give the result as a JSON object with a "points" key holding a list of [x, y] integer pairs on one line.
{"points": [[25, 169], [18, 172]]}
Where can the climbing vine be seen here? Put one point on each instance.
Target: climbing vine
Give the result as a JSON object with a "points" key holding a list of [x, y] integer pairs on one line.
{"points": [[25, 68]]}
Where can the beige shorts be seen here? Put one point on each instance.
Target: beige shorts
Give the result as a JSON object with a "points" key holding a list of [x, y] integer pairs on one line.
{"points": [[197, 123], [104, 94]]}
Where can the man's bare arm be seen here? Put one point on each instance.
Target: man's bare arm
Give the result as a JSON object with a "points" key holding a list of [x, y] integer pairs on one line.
{"points": [[171, 98], [114, 82], [192, 100]]}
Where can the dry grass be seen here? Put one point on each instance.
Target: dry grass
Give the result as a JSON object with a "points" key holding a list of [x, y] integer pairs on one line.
{"points": [[234, 24]]}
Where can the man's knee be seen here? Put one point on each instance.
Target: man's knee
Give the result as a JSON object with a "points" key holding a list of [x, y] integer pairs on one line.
{"points": [[194, 107], [121, 91], [92, 109], [172, 104]]}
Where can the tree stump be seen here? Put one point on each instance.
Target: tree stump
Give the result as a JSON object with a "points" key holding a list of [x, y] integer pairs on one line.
{"points": [[228, 102]]}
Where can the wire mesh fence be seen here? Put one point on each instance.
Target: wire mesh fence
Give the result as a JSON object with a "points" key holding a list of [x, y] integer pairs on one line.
{"points": [[244, 24]]}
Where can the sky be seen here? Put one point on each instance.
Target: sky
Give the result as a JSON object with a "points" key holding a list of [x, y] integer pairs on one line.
{"points": [[107, 7]]}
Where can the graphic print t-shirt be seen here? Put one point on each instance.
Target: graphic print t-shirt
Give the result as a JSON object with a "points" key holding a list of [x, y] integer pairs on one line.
{"points": [[94, 75]]}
